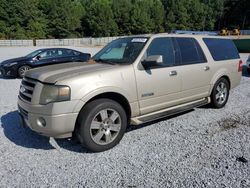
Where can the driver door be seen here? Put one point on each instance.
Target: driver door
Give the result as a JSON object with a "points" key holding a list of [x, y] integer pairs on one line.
{"points": [[47, 57], [159, 87]]}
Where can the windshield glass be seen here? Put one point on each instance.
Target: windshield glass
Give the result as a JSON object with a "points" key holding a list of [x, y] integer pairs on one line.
{"points": [[33, 54], [121, 51]]}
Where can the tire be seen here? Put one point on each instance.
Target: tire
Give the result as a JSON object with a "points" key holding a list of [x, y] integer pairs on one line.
{"points": [[220, 93], [21, 70], [248, 70], [101, 125]]}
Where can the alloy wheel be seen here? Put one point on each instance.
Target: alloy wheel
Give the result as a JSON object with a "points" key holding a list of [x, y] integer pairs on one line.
{"points": [[221, 93], [105, 126]]}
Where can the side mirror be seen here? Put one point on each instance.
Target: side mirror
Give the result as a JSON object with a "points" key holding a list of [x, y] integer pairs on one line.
{"points": [[38, 57], [152, 61]]}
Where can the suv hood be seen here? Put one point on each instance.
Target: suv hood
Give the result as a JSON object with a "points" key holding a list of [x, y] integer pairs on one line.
{"points": [[54, 73]]}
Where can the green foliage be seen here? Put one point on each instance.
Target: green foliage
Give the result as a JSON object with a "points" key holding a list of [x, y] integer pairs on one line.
{"points": [[25, 19], [147, 16], [100, 19], [121, 12], [63, 17]]}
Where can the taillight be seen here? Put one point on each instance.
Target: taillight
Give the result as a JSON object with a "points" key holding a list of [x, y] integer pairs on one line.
{"points": [[240, 68]]}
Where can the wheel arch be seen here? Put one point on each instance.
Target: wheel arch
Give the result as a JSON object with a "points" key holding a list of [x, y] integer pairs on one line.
{"points": [[21, 65], [115, 96], [219, 75]]}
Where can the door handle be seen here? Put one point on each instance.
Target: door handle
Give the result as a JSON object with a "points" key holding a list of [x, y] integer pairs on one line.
{"points": [[206, 68], [173, 73]]}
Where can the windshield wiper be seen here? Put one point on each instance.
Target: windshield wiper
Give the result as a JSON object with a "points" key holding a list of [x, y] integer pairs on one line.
{"points": [[105, 61]]}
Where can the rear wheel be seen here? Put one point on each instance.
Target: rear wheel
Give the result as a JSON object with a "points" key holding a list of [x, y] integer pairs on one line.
{"points": [[220, 93], [101, 125], [22, 70]]}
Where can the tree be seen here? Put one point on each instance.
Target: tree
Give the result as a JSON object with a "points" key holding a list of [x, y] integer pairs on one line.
{"points": [[156, 11], [214, 11], [122, 11], [177, 16], [16, 17], [100, 19], [63, 17], [25, 19]]}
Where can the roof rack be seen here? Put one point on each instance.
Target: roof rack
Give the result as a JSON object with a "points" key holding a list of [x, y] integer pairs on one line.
{"points": [[211, 33]]}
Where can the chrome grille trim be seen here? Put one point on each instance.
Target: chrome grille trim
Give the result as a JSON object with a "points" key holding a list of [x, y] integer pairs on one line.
{"points": [[26, 89]]}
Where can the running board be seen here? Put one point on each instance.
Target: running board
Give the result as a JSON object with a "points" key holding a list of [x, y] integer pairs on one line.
{"points": [[169, 111]]}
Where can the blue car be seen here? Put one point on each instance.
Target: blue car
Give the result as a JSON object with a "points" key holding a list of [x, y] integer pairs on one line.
{"points": [[18, 66]]}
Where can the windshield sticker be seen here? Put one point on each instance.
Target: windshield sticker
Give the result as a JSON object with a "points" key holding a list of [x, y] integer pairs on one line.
{"points": [[143, 40]]}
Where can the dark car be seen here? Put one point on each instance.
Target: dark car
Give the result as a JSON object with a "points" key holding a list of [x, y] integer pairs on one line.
{"points": [[42, 57]]}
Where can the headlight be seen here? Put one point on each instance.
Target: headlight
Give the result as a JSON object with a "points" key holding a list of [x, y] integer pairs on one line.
{"points": [[53, 93], [11, 64]]}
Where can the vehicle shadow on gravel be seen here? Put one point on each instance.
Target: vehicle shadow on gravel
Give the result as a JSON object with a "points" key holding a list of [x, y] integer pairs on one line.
{"points": [[22, 136], [8, 78], [26, 138]]}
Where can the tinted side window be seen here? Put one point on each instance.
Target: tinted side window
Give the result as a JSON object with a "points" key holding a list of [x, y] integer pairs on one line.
{"points": [[66, 52], [163, 47], [189, 51], [49, 54], [76, 53], [221, 49]]}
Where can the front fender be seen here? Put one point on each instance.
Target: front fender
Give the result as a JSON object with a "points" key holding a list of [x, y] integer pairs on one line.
{"points": [[108, 89]]}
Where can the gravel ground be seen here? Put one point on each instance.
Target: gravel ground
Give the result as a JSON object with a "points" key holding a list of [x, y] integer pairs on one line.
{"points": [[201, 148]]}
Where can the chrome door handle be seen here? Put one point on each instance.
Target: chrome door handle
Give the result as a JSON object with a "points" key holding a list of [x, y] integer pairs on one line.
{"points": [[173, 73], [206, 68]]}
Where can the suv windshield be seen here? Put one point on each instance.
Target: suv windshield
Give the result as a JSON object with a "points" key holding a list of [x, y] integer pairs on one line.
{"points": [[121, 51]]}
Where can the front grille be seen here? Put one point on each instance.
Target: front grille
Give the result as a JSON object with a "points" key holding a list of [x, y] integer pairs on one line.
{"points": [[27, 89], [23, 112]]}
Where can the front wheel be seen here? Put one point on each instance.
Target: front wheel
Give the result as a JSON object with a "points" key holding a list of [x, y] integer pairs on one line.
{"points": [[220, 93], [248, 70], [101, 125], [22, 70]]}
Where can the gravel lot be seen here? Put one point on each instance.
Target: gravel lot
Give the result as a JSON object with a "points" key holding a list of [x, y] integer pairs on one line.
{"points": [[201, 148]]}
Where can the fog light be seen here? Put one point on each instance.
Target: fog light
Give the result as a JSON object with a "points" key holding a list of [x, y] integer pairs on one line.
{"points": [[41, 122]]}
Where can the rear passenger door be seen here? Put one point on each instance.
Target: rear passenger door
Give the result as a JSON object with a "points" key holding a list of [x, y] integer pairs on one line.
{"points": [[159, 87], [194, 69], [64, 55]]}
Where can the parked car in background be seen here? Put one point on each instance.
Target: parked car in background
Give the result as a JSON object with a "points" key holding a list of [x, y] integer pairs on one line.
{"points": [[248, 64], [18, 66]]}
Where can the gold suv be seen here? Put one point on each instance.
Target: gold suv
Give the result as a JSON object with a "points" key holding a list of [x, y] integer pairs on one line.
{"points": [[132, 80]]}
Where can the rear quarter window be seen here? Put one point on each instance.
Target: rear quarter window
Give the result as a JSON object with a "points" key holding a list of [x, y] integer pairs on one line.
{"points": [[221, 49]]}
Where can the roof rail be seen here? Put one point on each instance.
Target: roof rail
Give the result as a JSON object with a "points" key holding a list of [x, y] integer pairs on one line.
{"points": [[196, 32]]}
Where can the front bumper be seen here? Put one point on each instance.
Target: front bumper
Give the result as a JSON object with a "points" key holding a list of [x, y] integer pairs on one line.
{"points": [[7, 72], [57, 126]]}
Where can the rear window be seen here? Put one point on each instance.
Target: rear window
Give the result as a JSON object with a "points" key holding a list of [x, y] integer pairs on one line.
{"points": [[221, 49]]}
